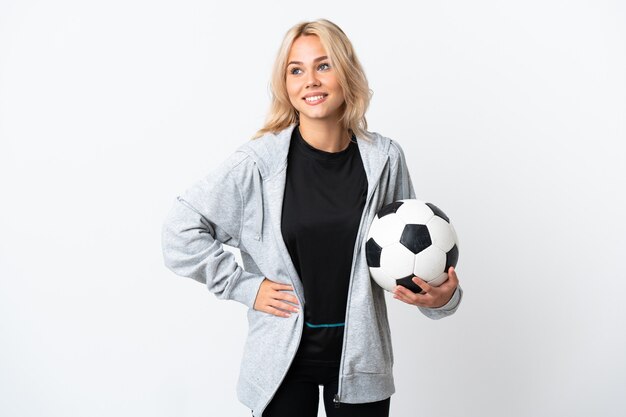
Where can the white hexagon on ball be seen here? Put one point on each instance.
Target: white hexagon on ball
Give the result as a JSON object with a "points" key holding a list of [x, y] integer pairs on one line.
{"points": [[429, 263], [396, 261], [387, 230], [441, 233]]}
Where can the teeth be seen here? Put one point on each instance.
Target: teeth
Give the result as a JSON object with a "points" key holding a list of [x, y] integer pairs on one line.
{"points": [[314, 98]]}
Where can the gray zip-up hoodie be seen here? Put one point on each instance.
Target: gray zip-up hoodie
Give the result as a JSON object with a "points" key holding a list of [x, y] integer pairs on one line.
{"points": [[239, 204]]}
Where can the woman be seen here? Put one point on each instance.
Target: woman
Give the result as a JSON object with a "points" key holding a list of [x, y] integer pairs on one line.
{"points": [[297, 201]]}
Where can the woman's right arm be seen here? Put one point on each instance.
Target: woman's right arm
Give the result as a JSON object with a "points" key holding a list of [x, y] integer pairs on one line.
{"points": [[193, 247], [206, 216]]}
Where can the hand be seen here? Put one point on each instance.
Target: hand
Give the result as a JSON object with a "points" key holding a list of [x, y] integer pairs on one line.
{"points": [[431, 297], [269, 296]]}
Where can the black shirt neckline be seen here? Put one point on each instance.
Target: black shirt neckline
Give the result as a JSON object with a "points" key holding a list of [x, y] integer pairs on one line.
{"points": [[319, 154]]}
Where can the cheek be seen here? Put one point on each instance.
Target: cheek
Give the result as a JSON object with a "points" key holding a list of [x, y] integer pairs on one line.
{"points": [[333, 83], [292, 91]]}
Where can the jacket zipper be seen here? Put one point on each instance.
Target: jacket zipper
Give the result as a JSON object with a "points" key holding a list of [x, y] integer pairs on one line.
{"points": [[337, 397]]}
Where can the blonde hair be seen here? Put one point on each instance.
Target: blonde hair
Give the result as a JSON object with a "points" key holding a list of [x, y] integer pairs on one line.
{"points": [[350, 76]]}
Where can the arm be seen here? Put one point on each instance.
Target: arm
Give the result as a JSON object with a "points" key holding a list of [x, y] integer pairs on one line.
{"points": [[208, 215], [430, 300], [430, 304]]}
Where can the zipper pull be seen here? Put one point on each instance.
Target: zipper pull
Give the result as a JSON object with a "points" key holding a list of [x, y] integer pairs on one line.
{"points": [[336, 401]]}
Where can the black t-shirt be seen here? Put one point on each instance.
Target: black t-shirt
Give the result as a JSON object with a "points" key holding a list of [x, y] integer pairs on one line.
{"points": [[324, 198]]}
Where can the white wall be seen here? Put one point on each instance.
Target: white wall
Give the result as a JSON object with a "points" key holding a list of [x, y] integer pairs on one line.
{"points": [[512, 118]]}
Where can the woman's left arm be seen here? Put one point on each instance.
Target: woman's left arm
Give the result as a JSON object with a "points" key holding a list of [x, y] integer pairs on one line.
{"points": [[434, 302]]}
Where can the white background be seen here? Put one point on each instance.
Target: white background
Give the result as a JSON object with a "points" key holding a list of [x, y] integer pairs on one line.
{"points": [[512, 118]]}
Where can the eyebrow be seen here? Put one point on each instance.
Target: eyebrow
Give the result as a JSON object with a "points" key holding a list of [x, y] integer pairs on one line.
{"points": [[321, 58]]}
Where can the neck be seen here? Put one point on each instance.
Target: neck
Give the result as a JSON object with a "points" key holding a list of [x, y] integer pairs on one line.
{"points": [[325, 136]]}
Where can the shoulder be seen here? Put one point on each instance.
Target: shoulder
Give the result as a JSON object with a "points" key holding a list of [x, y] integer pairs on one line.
{"points": [[257, 159], [234, 166], [259, 152], [268, 141], [396, 152], [388, 146], [268, 152]]}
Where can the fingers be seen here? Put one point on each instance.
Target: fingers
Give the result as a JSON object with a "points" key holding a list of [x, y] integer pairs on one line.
{"points": [[430, 296], [451, 282], [277, 303], [282, 295], [280, 287], [426, 287], [276, 311], [452, 277], [403, 294], [274, 299]]}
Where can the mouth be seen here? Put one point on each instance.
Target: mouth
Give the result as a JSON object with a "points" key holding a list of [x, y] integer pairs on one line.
{"points": [[318, 98]]}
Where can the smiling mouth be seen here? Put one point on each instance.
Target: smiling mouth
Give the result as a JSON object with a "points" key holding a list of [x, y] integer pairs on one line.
{"points": [[314, 99]]}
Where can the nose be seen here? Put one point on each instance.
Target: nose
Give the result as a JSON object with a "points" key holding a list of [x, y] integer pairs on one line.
{"points": [[312, 80]]}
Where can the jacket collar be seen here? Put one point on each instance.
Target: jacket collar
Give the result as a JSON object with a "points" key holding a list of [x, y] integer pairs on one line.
{"points": [[270, 152]]}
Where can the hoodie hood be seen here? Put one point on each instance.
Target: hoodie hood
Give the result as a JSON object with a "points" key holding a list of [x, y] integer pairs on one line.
{"points": [[270, 151]]}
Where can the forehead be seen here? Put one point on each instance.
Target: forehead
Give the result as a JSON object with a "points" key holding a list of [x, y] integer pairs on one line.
{"points": [[306, 48]]}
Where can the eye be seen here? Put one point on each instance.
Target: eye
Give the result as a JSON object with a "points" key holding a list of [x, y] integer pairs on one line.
{"points": [[294, 70], [324, 66]]}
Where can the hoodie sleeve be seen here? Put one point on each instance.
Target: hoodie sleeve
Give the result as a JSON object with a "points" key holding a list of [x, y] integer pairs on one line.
{"points": [[206, 216], [403, 189]]}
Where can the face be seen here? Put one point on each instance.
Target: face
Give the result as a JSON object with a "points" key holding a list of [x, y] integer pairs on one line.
{"points": [[312, 81]]}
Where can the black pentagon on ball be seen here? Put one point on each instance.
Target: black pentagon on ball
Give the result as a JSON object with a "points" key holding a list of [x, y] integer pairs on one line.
{"points": [[389, 208], [372, 253], [438, 212], [415, 237], [452, 257], [407, 282]]}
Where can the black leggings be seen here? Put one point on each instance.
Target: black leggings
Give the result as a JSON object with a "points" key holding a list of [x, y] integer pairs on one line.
{"points": [[298, 395]]}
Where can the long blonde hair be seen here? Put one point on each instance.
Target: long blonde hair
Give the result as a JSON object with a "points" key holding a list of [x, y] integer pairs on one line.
{"points": [[350, 76]]}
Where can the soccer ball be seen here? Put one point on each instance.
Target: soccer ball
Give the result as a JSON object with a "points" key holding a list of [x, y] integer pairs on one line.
{"points": [[407, 238]]}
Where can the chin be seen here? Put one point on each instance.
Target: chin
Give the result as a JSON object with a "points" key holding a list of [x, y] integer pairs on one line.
{"points": [[322, 115]]}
